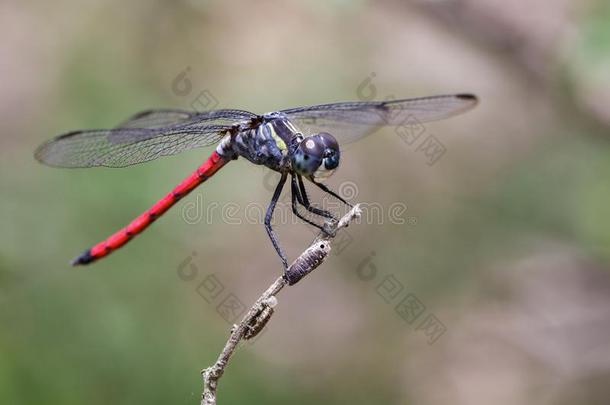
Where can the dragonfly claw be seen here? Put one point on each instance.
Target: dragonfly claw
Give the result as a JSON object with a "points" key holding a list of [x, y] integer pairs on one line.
{"points": [[329, 228]]}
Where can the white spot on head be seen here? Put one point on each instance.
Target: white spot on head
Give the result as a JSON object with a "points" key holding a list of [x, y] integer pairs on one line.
{"points": [[310, 144]]}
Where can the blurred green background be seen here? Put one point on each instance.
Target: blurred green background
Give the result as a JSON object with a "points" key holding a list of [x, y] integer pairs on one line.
{"points": [[505, 242]]}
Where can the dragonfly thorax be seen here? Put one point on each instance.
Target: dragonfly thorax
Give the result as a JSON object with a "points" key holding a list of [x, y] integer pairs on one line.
{"points": [[271, 143], [278, 144]]}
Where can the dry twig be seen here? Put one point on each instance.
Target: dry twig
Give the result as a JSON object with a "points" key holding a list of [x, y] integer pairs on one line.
{"points": [[259, 314]]}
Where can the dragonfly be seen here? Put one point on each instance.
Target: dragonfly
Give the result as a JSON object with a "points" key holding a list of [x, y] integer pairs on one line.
{"points": [[300, 143]]}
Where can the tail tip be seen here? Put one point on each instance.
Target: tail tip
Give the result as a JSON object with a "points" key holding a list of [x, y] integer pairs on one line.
{"points": [[84, 258]]}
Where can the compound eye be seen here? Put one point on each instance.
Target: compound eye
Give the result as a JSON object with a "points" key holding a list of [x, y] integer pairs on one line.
{"points": [[331, 159], [328, 140], [306, 159], [317, 155]]}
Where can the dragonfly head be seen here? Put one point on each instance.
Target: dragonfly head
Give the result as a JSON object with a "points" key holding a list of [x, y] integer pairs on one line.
{"points": [[316, 156]]}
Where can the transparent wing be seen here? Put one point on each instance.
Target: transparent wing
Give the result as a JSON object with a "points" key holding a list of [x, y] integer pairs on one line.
{"points": [[144, 137], [350, 121], [161, 118], [124, 146]]}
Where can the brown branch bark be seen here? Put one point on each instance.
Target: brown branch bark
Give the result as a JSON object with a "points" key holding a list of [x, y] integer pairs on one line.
{"points": [[259, 314]]}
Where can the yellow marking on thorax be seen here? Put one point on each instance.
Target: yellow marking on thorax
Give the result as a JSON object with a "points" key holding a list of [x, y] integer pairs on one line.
{"points": [[278, 141]]}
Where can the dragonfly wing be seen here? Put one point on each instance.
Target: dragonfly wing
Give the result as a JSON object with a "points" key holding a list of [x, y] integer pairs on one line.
{"points": [[122, 147], [144, 137], [350, 121], [161, 118]]}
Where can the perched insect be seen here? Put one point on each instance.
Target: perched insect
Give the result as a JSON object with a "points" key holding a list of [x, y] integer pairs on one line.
{"points": [[277, 140]]}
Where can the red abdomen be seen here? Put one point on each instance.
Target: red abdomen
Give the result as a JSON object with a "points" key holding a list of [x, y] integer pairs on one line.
{"points": [[124, 235]]}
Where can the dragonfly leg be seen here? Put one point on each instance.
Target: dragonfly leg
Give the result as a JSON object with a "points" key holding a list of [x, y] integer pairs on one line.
{"points": [[269, 215], [296, 196], [329, 191], [305, 202]]}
